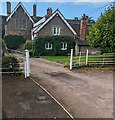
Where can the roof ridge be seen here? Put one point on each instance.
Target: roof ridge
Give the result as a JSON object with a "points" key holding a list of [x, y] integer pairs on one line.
{"points": [[17, 6]]}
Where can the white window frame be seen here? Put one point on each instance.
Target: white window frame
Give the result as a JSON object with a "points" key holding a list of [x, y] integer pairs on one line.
{"points": [[57, 30], [63, 47], [49, 46]]}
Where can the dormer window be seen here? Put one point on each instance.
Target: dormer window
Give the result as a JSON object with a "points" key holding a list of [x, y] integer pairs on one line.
{"points": [[56, 30]]}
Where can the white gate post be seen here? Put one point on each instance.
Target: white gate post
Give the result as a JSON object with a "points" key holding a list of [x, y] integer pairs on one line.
{"points": [[27, 65], [86, 56], [71, 59], [25, 69]]}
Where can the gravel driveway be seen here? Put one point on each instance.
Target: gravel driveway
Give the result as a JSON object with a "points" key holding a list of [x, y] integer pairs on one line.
{"points": [[85, 94]]}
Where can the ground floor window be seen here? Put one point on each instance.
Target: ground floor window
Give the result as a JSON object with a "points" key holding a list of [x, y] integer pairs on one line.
{"points": [[48, 46], [63, 46]]}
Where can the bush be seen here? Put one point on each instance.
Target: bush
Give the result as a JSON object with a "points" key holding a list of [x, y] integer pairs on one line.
{"points": [[10, 64], [28, 45], [3, 47], [39, 45], [14, 41]]}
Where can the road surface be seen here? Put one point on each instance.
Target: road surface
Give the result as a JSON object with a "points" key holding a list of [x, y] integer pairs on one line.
{"points": [[84, 95]]}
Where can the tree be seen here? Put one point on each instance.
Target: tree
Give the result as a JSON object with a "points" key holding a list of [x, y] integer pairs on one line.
{"points": [[28, 45], [101, 34]]}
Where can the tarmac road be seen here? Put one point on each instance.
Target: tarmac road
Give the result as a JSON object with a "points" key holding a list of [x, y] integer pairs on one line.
{"points": [[85, 95]]}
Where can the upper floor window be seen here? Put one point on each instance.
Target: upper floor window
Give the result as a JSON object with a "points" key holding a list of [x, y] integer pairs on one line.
{"points": [[63, 46], [20, 23], [48, 46], [24, 24], [56, 30]]}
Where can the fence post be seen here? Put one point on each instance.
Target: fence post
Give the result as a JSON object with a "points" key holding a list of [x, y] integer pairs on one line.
{"points": [[86, 56], [27, 65], [25, 72], [79, 58], [71, 59]]}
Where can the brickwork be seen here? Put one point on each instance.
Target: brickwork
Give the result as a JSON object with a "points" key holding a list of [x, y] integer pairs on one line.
{"points": [[83, 27]]}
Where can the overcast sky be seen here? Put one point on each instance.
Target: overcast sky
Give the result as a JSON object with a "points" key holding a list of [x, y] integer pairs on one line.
{"points": [[70, 8]]}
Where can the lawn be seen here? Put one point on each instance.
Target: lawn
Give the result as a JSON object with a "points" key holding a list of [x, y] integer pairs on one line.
{"points": [[59, 59]]}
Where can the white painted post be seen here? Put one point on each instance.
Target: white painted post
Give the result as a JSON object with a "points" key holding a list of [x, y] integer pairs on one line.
{"points": [[86, 56], [25, 72], [71, 59], [79, 58], [27, 64]]}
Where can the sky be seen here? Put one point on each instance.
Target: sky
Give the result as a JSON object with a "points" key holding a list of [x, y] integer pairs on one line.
{"points": [[69, 9]]}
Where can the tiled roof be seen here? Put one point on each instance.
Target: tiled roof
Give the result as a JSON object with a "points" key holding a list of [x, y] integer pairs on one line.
{"points": [[36, 19]]}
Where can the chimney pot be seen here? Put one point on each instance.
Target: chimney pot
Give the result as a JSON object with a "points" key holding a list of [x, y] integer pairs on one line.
{"points": [[49, 12], [34, 10], [8, 8], [83, 26]]}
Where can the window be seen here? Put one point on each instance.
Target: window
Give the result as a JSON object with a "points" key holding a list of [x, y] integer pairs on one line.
{"points": [[63, 46], [20, 23], [56, 31], [48, 46], [16, 23], [24, 24]]}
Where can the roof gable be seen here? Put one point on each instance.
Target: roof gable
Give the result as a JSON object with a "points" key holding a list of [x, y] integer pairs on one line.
{"points": [[15, 9], [51, 17]]}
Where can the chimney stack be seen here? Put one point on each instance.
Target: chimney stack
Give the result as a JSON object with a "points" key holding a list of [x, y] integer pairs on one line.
{"points": [[49, 12], [8, 8], [34, 10], [83, 27]]}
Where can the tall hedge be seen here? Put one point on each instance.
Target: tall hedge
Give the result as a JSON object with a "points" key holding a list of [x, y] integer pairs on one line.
{"points": [[14, 41], [39, 45]]}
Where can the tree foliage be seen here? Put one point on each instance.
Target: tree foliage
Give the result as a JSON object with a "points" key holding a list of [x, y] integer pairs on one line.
{"points": [[101, 34], [28, 45], [2, 44]]}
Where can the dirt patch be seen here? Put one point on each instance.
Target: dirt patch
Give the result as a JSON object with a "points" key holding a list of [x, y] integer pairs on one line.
{"points": [[22, 98]]}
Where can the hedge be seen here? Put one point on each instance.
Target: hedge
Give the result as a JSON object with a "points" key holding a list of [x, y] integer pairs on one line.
{"points": [[14, 41], [39, 45]]}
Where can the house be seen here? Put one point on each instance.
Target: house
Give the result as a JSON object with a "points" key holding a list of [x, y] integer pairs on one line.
{"points": [[19, 22], [56, 24]]}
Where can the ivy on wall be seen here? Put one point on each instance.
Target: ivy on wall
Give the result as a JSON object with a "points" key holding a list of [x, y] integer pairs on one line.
{"points": [[39, 49]]}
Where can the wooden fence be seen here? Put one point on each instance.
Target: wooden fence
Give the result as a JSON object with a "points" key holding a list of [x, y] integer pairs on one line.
{"points": [[86, 59]]}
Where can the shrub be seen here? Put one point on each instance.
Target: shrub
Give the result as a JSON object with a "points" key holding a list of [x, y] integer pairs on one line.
{"points": [[28, 45], [10, 64], [14, 41], [39, 45], [3, 47]]}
